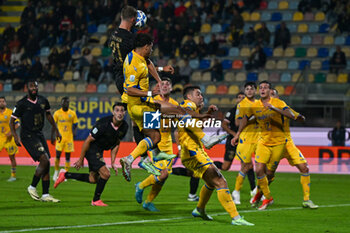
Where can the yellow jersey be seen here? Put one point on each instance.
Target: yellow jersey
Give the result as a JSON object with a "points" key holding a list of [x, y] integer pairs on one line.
{"points": [[286, 124], [184, 134], [65, 121], [250, 133], [135, 75], [5, 117], [272, 130]]}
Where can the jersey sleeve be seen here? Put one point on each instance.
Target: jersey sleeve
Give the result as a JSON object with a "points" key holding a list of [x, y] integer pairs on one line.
{"points": [[230, 115], [294, 113], [242, 111], [18, 110], [47, 105], [97, 131], [131, 75], [75, 118], [281, 104], [190, 106]]}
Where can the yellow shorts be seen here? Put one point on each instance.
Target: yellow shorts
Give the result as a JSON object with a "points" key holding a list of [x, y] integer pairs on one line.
{"points": [[10, 146], [194, 158], [244, 152], [293, 154], [165, 164], [136, 113], [66, 145], [269, 155]]}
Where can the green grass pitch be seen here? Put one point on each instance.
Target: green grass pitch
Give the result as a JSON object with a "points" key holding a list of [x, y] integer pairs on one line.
{"points": [[124, 214]]}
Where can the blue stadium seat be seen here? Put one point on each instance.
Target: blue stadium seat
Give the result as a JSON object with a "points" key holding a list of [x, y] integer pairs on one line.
{"points": [[347, 41], [92, 29], [216, 28], [268, 51], [102, 88], [324, 28], [303, 64], [272, 5], [293, 65], [323, 52], [293, 27], [225, 27], [332, 51], [7, 87], [348, 65], [247, 26], [313, 28], [286, 77], [277, 16], [233, 52], [194, 64], [102, 28], [45, 51], [204, 64], [339, 40], [252, 77], [306, 40], [287, 16], [73, 50], [226, 64], [207, 38], [325, 65], [293, 5], [271, 27], [265, 16]]}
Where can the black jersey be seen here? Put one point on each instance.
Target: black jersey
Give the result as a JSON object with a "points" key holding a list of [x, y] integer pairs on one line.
{"points": [[231, 116], [106, 135], [31, 113], [121, 42]]}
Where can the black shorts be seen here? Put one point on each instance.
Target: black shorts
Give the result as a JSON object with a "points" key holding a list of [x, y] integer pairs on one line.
{"points": [[35, 144], [94, 156], [230, 151], [119, 81]]}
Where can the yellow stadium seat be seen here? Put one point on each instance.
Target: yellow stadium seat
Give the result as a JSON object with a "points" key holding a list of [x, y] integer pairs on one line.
{"points": [[283, 5], [225, 101], [68, 75], [60, 87], [289, 52], [281, 65], [315, 65], [196, 39], [18, 97], [263, 76], [328, 40], [178, 87], [96, 52], [346, 50], [70, 88], [229, 77], [331, 78], [302, 28], [270, 65], [246, 16], [206, 77], [320, 16], [233, 90], [40, 88], [81, 88], [296, 40], [115, 99], [245, 52], [205, 28], [181, 63], [311, 52], [112, 89], [255, 16], [298, 16], [103, 40], [52, 99], [214, 101], [278, 52], [196, 76], [342, 78], [280, 89], [211, 89], [296, 77], [311, 78], [155, 52], [241, 77], [257, 26]]}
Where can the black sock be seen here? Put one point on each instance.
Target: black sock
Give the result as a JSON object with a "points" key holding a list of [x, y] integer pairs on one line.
{"points": [[138, 136], [251, 178], [46, 185], [35, 181], [180, 171], [218, 164], [78, 176], [194, 185], [99, 188]]}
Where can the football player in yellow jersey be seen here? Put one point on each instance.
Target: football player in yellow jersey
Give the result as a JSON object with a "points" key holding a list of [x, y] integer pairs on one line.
{"points": [[6, 139], [272, 142], [247, 142], [194, 158], [295, 158], [66, 121]]}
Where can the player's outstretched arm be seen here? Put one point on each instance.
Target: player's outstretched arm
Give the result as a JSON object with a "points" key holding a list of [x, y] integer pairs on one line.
{"points": [[54, 126], [13, 131], [79, 163], [242, 124], [114, 152], [226, 127]]}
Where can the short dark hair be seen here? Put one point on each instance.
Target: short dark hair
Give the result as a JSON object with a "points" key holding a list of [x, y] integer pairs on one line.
{"points": [[143, 39], [31, 81], [3, 97], [164, 78], [239, 93], [267, 82], [65, 98], [253, 84], [129, 12], [119, 104], [189, 90]]}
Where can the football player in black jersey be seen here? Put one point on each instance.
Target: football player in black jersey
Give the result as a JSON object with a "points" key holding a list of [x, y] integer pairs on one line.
{"points": [[31, 110], [106, 134]]}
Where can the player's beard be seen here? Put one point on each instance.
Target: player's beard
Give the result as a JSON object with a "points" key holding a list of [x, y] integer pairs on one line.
{"points": [[33, 95]]}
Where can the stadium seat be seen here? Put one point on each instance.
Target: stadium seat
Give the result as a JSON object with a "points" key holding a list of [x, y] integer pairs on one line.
{"points": [[300, 52], [245, 52], [81, 87], [293, 5], [328, 40], [103, 40], [70, 88], [205, 28], [222, 90], [194, 64], [226, 64], [276, 16], [272, 5], [49, 87], [52, 99], [271, 28], [233, 90], [298, 16], [281, 65], [268, 51], [342, 78], [91, 88], [296, 77], [263, 76], [224, 27], [302, 28], [96, 52], [112, 89], [320, 16], [60, 88], [263, 5], [265, 16], [339, 40], [41, 87], [280, 89], [255, 16], [225, 101], [331, 78], [313, 28], [246, 16], [283, 5], [295, 40], [286, 77], [311, 52], [252, 77], [317, 40], [257, 26], [320, 78], [347, 41], [214, 101], [323, 52], [216, 28], [278, 52], [233, 52], [196, 76], [206, 77], [92, 29], [287, 16], [292, 27], [102, 28], [293, 65], [240, 77], [274, 77], [107, 52], [325, 65], [7, 87], [346, 50], [102, 88], [178, 87], [229, 77], [45, 51], [306, 40], [237, 64], [303, 64], [324, 28], [289, 90], [68, 75], [115, 99], [211, 89], [204, 64], [270, 65], [315, 65]]}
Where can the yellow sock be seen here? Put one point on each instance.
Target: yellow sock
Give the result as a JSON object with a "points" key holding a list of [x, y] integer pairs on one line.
{"points": [[226, 201], [305, 183], [204, 196], [67, 166], [264, 186], [148, 181], [13, 172], [57, 164], [144, 145], [154, 192], [239, 181]]}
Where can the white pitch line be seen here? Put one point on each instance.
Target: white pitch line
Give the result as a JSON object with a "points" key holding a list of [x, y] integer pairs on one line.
{"points": [[158, 220]]}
